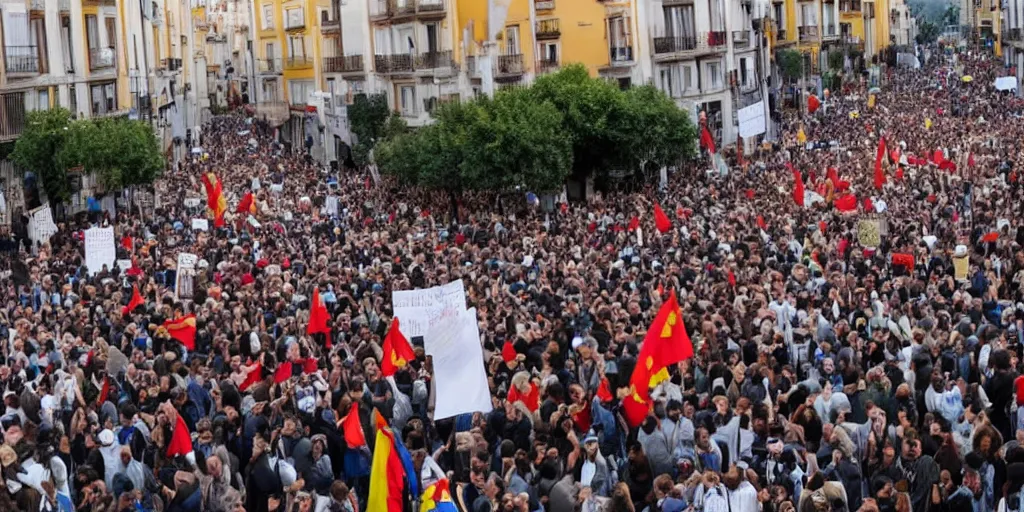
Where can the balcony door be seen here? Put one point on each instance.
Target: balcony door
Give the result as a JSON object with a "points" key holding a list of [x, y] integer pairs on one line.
{"points": [[433, 41], [37, 29], [512, 46], [679, 22]]}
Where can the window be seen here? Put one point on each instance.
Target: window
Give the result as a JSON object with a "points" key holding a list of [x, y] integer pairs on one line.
{"points": [[717, 9], [809, 15], [65, 44], [679, 22], [512, 40], [670, 80], [270, 91], [37, 31], [714, 71], [296, 47], [268, 17], [271, 51], [298, 91], [689, 83], [743, 72], [433, 41], [92, 32], [548, 52], [293, 18], [407, 93], [111, 31], [73, 99], [43, 99], [619, 41], [104, 99], [780, 16]]}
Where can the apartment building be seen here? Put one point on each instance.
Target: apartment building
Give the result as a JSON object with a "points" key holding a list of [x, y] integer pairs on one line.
{"points": [[902, 25], [228, 67], [1012, 37]]}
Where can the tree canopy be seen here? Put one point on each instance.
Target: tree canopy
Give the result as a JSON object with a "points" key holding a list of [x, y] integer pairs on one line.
{"points": [[121, 153], [371, 121], [567, 123]]}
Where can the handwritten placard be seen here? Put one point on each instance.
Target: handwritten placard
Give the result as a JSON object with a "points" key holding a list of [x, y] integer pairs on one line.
{"points": [[99, 249]]}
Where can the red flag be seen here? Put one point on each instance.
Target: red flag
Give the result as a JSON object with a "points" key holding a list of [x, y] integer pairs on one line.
{"points": [[869, 206], [135, 302], [634, 223], [635, 410], [750, 193], [665, 343], [508, 352], [938, 157], [706, 140], [899, 174], [761, 223], [846, 203], [247, 204], [798, 185], [397, 350], [904, 260], [183, 330], [732, 279], [604, 391], [318, 316], [216, 204], [127, 243], [252, 377], [948, 165], [661, 220], [990, 237], [879, 175], [822, 226], [181, 439], [970, 160], [813, 103], [353, 428]]}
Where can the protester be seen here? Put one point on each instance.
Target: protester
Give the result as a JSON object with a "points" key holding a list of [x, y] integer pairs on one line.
{"points": [[832, 367]]}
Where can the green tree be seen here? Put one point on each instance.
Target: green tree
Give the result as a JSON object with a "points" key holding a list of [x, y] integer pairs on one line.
{"points": [[651, 131], [39, 150], [368, 116], [588, 106], [927, 32], [121, 153], [790, 63]]}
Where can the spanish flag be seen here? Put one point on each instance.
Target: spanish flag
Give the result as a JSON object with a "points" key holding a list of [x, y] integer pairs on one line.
{"points": [[247, 204], [665, 343], [387, 474], [183, 330], [216, 204], [397, 351], [438, 498]]}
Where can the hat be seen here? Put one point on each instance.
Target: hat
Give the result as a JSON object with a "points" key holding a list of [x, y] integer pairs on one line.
{"points": [[106, 437], [591, 438]]}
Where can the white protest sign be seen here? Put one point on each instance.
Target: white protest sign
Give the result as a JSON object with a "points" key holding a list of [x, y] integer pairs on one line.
{"points": [[459, 377], [99, 249], [183, 277], [419, 310], [200, 225], [751, 120], [331, 206], [1006, 83], [192, 202], [124, 264], [40, 224]]}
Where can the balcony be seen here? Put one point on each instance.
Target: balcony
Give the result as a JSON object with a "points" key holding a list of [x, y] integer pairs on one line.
{"points": [[12, 115], [346, 64], [37, 5], [672, 48], [430, 9], [383, 10], [299, 62], [393, 63], [620, 55], [269, 66], [101, 58], [21, 60], [509, 66], [434, 60], [548, 29], [546, 66], [544, 5], [808, 34], [740, 39]]}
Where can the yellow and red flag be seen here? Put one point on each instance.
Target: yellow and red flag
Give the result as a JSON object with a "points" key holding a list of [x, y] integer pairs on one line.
{"points": [[387, 474], [397, 350], [247, 204], [216, 204], [183, 329], [664, 344]]}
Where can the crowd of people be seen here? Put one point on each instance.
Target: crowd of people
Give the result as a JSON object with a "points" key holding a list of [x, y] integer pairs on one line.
{"points": [[828, 375]]}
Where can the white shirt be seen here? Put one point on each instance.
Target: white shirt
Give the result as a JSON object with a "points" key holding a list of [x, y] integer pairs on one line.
{"points": [[743, 499]]}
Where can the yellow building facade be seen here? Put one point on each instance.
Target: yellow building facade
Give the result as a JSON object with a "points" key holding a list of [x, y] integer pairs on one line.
{"points": [[287, 49]]}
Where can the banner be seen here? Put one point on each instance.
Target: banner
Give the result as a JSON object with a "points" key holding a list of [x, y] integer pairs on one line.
{"points": [[1006, 83], [460, 382], [419, 310], [751, 120], [40, 225], [868, 233], [99, 249], [184, 275], [331, 206]]}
